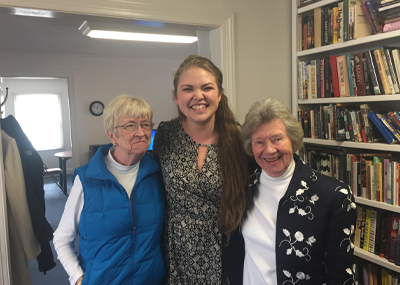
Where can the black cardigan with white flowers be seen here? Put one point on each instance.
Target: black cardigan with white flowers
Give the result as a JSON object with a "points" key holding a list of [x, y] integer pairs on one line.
{"points": [[314, 231]]}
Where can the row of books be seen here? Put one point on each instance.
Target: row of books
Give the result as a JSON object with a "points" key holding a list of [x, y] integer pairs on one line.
{"points": [[389, 12], [374, 72], [374, 176], [372, 274], [336, 23], [377, 232], [340, 123]]}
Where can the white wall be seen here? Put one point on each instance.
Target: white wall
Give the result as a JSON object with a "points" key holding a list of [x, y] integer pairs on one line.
{"points": [[262, 58], [96, 78]]}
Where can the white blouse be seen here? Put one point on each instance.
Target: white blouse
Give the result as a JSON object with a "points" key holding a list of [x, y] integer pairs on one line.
{"points": [[259, 229]]}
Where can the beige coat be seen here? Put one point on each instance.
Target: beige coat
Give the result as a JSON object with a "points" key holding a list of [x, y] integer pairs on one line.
{"points": [[23, 244]]}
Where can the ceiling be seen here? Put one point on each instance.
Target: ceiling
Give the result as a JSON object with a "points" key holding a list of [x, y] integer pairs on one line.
{"points": [[60, 35]]}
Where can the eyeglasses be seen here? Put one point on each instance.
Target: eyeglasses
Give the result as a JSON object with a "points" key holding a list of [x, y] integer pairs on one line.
{"points": [[131, 127]]}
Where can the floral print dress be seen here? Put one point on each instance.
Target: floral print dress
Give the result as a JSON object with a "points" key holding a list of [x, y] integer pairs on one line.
{"points": [[193, 243]]}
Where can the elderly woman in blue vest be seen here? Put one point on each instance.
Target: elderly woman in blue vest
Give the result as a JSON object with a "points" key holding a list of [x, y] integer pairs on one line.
{"points": [[116, 205], [299, 225]]}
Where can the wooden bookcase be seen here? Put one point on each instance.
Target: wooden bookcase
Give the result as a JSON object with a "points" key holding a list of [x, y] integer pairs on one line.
{"points": [[351, 46]]}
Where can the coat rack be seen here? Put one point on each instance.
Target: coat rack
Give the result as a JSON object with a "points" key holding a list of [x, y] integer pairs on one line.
{"points": [[5, 99]]}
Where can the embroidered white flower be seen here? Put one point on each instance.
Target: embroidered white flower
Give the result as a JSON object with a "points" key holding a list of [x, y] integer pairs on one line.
{"points": [[314, 199], [349, 233], [298, 238], [352, 272], [299, 275]]}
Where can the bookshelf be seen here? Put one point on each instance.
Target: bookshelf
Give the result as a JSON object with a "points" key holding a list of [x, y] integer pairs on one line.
{"points": [[390, 102]]}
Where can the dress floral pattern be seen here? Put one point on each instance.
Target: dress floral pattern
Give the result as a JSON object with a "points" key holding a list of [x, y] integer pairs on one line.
{"points": [[194, 245]]}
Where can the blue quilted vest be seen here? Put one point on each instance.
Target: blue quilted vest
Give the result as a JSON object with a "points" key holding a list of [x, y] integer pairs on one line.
{"points": [[120, 244]]}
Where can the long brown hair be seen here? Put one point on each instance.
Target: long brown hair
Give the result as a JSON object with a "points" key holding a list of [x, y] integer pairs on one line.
{"points": [[231, 152]]}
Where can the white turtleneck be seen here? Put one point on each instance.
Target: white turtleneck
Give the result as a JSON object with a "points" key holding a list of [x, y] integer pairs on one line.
{"points": [[68, 227], [259, 229]]}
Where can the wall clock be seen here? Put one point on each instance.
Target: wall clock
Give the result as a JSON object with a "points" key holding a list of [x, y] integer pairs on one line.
{"points": [[96, 108]]}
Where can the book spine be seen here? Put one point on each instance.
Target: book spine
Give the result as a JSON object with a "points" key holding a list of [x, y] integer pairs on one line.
{"points": [[343, 77], [396, 61], [322, 77], [366, 229], [389, 59], [317, 27], [382, 72], [353, 78], [335, 28], [388, 125], [366, 77], [359, 74], [387, 70], [372, 230], [381, 127], [340, 22], [372, 12], [368, 15], [391, 26], [300, 80], [345, 20], [368, 129], [327, 77], [351, 22], [305, 79], [389, 183], [379, 182], [395, 119], [393, 239], [313, 79], [373, 73], [362, 127], [334, 76]]}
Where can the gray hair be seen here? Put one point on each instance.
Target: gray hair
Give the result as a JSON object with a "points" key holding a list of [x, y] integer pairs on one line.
{"points": [[124, 106], [265, 112]]}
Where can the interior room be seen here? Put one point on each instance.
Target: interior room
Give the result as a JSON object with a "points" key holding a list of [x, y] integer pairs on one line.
{"points": [[36, 49]]}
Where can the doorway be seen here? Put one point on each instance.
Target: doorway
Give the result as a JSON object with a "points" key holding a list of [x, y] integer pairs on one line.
{"points": [[223, 22]]}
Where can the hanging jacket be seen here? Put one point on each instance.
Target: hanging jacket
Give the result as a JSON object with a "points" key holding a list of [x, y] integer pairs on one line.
{"points": [[119, 237], [32, 166]]}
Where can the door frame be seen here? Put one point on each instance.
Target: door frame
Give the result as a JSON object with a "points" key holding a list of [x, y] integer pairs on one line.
{"points": [[181, 13]]}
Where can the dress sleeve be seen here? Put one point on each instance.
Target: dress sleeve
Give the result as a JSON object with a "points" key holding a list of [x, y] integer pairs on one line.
{"points": [[67, 231], [340, 238]]}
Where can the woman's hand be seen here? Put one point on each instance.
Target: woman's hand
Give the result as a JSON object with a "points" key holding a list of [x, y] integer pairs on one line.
{"points": [[79, 281]]}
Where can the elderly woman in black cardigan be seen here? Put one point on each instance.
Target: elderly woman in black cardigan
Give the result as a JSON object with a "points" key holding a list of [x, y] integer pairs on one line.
{"points": [[299, 225]]}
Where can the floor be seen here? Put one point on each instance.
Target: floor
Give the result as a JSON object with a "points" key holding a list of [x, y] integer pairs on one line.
{"points": [[55, 202]]}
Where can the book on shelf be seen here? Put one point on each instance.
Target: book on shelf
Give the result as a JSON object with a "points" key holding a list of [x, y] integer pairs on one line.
{"points": [[396, 61], [343, 77], [368, 16], [388, 124], [390, 62], [369, 178], [327, 78], [317, 27], [318, 77], [359, 74], [325, 18], [391, 26], [312, 87], [362, 27], [372, 231], [352, 78], [340, 22], [351, 22], [366, 229], [392, 242], [373, 12], [377, 163], [335, 24], [374, 73], [386, 66], [382, 72], [305, 78], [365, 110], [300, 80], [362, 127], [380, 124], [367, 81], [322, 77]]}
